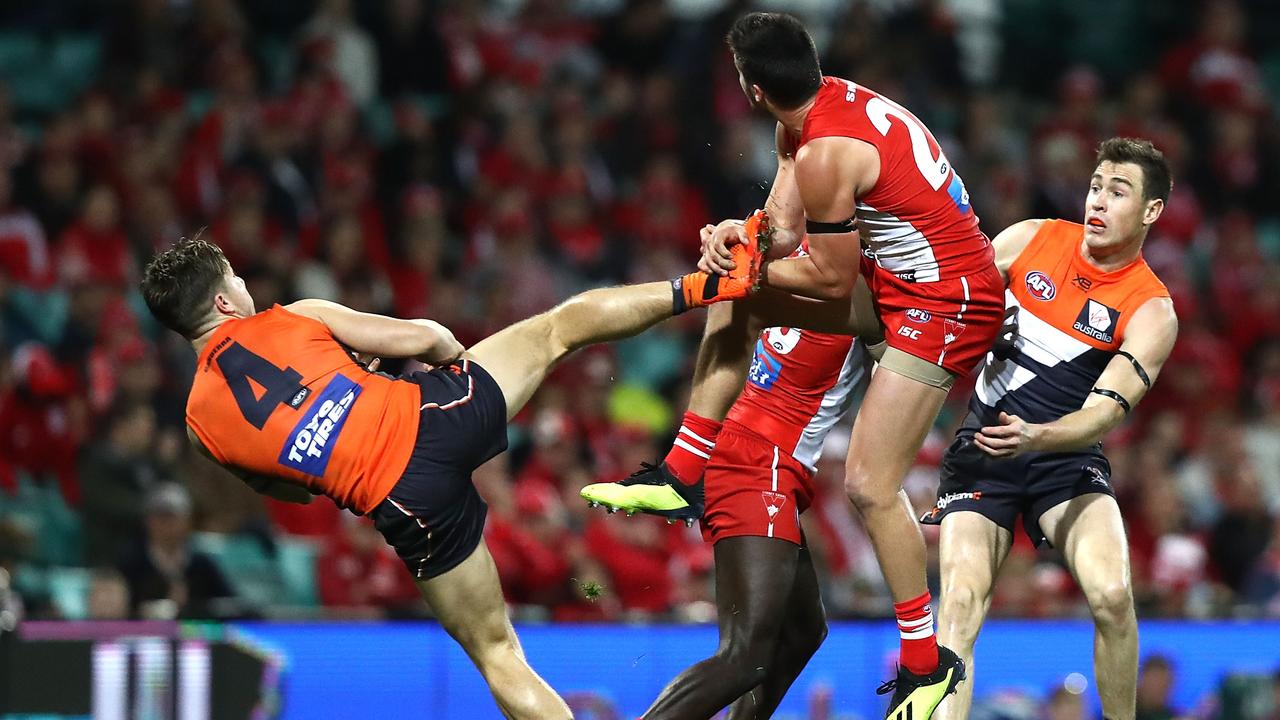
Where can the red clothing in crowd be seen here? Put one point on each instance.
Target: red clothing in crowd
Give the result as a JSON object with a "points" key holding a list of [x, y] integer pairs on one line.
{"points": [[351, 577], [640, 573], [85, 254]]}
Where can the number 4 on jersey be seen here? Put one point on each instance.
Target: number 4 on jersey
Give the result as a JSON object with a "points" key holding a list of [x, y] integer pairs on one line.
{"points": [[239, 365]]}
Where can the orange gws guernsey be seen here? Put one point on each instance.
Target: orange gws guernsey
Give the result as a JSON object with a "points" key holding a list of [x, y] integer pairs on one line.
{"points": [[275, 394]]}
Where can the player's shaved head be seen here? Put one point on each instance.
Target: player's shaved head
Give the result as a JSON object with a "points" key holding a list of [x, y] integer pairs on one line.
{"points": [[774, 51], [179, 284], [1157, 181]]}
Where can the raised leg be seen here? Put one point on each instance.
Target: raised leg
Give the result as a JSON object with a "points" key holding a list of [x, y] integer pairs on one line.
{"points": [[519, 357]]}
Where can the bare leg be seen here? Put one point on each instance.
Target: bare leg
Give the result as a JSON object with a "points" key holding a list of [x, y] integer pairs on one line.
{"points": [[723, 359], [802, 634], [895, 416], [973, 549], [1090, 532], [753, 582], [468, 602], [519, 357]]}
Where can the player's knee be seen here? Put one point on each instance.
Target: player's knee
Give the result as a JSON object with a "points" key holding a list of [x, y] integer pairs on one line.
{"points": [[863, 490], [557, 329], [747, 665], [481, 639], [1111, 604], [960, 610], [747, 672], [814, 637]]}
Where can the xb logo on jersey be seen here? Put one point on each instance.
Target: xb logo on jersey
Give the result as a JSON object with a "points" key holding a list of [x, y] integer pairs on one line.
{"points": [[1040, 286]]}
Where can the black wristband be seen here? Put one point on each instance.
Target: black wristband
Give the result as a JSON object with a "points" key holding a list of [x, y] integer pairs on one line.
{"points": [[1114, 396], [1137, 367], [677, 296], [813, 227]]}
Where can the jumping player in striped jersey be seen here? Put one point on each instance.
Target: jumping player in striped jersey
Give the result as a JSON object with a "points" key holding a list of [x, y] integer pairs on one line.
{"points": [[758, 480], [851, 159], [1087, 330], [279, 401]]}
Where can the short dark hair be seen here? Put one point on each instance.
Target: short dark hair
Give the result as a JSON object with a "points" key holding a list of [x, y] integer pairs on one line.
{"points": [[1156, 178], [179, 283], [774, 51]]}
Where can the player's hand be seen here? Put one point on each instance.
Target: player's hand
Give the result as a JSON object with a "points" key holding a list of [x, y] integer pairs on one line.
{"points": [[716, 240], [369, 362], [1012, 437]]}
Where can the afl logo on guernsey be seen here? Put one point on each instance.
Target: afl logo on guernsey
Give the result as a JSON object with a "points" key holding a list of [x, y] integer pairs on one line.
{"points": [[1040, 286], [919, 316]]}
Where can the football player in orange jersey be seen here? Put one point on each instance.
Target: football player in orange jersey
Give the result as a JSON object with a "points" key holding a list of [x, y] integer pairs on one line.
{"points": [[279, 401], [1088, 327]]}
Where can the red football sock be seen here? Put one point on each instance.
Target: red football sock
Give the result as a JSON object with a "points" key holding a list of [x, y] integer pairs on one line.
{"points": [[915, 627], [689, 455]]}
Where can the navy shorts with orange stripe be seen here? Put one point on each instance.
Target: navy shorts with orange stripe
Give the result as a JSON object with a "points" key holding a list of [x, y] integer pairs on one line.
{"points": [[434, 517], [753, 488]]}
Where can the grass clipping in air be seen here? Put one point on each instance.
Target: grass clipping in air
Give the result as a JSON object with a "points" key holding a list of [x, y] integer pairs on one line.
{"points": [[591, 589]]}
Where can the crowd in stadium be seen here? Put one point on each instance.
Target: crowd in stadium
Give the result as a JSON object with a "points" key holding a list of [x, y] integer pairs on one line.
{"points": [[475, 164]]}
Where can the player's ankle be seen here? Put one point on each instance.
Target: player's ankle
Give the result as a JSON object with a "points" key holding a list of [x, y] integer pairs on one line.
{"points": [[915, 627], [692, 447]]}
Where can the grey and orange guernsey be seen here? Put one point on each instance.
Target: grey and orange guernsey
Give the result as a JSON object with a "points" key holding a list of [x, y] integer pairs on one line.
{"points": [[1065, 321]]}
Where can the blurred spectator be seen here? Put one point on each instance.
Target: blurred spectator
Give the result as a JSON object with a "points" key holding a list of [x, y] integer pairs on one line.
{"points": [[412, 54], [108, 595], [1155, 686], [42, 419], [95, 248], [1242, 533], [118, 474], [1065, 704], [24, 251], [358, 570], [167, 578], [333, 39]]}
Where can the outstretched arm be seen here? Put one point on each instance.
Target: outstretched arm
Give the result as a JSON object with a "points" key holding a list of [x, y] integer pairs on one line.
{"points": [[382, 336], [1149, 339]]}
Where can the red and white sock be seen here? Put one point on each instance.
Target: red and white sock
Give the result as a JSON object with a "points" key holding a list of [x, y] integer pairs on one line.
{"points": [[689, 455], [915, 627]]}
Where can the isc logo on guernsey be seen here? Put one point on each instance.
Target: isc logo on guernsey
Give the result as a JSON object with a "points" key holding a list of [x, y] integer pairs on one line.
{"points": [[309, 445]]}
